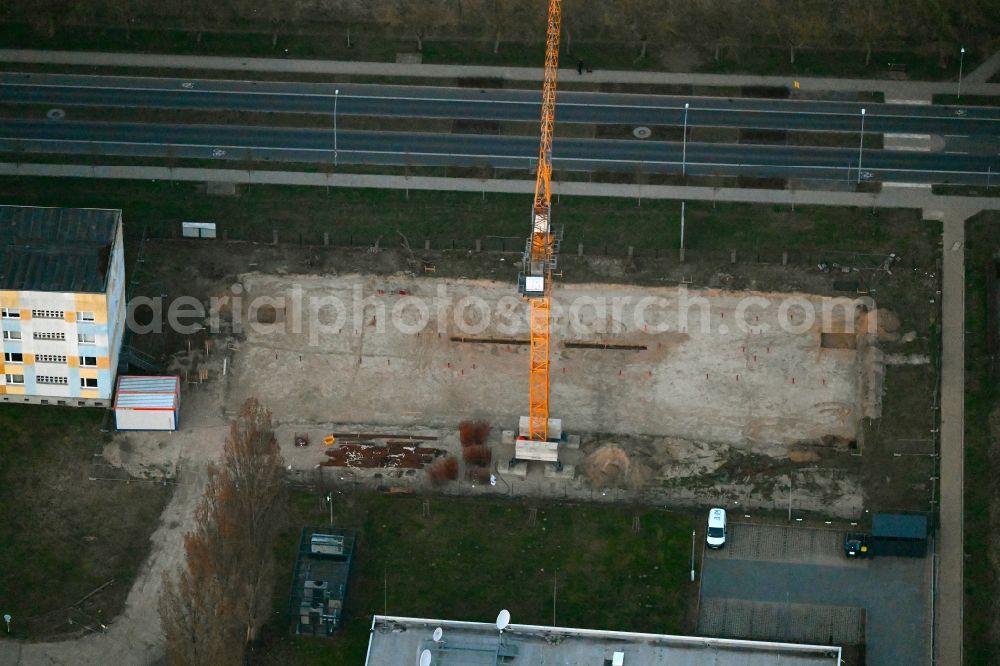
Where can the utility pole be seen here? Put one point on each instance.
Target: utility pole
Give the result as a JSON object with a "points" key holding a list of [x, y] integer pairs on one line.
{"points": [[329, 501], [682, 226], [336, 96], [961, 64], [861, 143], [684, 141], [693, 533]]}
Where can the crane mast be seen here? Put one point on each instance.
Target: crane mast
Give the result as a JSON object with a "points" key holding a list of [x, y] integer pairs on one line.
{"points": [[543, 245]]}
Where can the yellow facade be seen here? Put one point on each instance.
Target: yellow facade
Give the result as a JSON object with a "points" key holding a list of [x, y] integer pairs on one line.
{"points": [[103, 362], [88, 373], [25, 314], [70, 317], [15, 390], [29, 359], [10, 299], [96, 303], [89, 395]]}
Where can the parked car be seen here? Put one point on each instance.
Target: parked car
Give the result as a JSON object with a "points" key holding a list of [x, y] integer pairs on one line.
{"points": [[715, 537], [856, 545]]}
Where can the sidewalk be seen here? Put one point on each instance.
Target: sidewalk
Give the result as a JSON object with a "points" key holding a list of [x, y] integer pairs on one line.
{"points": [[889, 197], [987, 69], [951, 560], [896, 90]]}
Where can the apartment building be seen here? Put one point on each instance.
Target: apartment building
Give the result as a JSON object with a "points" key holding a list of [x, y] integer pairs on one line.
{"points": [[62, 304]]}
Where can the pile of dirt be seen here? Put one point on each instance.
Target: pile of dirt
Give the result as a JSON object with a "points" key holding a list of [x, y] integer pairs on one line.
{"points": [[881, 323], [803, 456], [610, 466]]}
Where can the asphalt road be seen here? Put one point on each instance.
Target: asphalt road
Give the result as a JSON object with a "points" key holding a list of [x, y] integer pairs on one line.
{"points": [[491, 104], [278, 144], [891, 589]]}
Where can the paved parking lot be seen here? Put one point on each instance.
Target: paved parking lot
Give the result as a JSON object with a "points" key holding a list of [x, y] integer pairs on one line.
{"points": [[797, 582]]}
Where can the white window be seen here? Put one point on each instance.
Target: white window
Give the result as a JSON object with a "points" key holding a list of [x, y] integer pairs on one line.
{"points": [[88, 361], [10, 313], [47, 314], [13, 357], [49, 358], [48, 336], [88, 382], [49, 379], [14, 379], [85, 316], [85, 338], [12, 335]]}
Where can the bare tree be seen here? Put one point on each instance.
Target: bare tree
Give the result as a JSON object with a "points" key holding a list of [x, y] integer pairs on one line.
{"points": [[798, 23], [222, 596], [869, 22], [934, 21], [46, 15], [712, 23], [501, 15], [642, 20], [417, 16], [252, 478]]}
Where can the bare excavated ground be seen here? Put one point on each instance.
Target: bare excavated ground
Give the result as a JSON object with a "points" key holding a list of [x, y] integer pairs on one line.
{"points": [[688, 414], [401, 351]]}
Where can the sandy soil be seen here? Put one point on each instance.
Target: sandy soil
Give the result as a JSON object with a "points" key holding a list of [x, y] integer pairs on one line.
{"points": [[763, 389]]}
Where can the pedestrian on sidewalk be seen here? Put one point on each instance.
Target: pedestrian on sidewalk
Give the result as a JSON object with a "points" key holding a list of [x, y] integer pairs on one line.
{"points": [[579, 68]]}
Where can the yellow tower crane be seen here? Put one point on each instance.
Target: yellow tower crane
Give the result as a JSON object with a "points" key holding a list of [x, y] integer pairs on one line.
{"points": [[535, 283]]}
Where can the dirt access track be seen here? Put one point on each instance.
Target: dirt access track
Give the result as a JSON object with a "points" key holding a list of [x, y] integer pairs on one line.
{"points": [[744, 369]]}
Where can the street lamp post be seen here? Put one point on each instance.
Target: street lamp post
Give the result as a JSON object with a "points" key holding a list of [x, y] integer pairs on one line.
{"points": [[336, 96], [684, 144], [961, 63], [861, 143], [692, 555]]}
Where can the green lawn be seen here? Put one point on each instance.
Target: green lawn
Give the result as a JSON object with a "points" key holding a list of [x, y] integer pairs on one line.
{"points": [[982, 450], [840, 63], [62, 535], [372, 42], [359, 216], [473, 557], [967, 100]]}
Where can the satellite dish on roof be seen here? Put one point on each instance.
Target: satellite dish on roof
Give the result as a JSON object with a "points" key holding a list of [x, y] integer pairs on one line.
{"points": [[425, 658], [438, 633], [503, 619]]}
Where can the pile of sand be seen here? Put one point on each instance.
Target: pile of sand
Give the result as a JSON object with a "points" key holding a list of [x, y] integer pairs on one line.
{"points": [[884, 324], [610, 466]]}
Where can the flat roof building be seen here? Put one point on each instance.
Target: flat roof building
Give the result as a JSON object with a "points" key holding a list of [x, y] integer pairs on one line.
{"points": [[62, 304], [147, 403], [402, 640]]}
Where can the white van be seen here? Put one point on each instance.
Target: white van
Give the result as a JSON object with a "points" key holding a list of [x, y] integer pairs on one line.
{"points": [[716, 535]]}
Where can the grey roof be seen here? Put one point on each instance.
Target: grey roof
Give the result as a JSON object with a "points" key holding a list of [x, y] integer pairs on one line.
{"points": [[899, 525], [397, 640], [55, 249]]}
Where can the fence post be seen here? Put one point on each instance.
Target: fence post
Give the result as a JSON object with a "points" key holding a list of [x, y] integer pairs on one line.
{"points": [[732, 256], [479, 245], [682, 255], [427, 243], [326, 238], [579, 250], [784, 258], [631, 251], [274, 237]]}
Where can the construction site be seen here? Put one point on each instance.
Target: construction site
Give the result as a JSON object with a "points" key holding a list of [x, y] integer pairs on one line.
{"points": [[709, 387], [681, 395]]}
